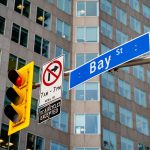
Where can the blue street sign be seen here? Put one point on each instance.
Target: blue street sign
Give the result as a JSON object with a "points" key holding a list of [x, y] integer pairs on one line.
{"points": [[111, 59]]}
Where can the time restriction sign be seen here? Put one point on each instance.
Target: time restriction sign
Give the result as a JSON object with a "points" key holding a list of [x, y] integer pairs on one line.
{"points": [[51, 83]]}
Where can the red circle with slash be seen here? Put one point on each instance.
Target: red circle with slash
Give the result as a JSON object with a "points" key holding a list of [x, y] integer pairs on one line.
{"points": [[52, 73]]}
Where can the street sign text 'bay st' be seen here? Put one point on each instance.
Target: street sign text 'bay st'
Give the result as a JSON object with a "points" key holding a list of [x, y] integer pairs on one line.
{"points": [[111, 59]]}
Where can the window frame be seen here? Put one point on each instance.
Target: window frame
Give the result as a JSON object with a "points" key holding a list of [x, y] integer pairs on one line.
{"points": [[126, 116], [85, 34], [97, 7], [60, 122], [84, 115], [43, 15], [63, 9], [12, 134], [62, 53], [109, 102], [145, 118], [41, 46], [63, 29], [19, 38], [125, 141], [4, 4], [84, 90], [22, 2], [17, 61], [4, 26], [36, 135], [59, 144], [84, 55]]}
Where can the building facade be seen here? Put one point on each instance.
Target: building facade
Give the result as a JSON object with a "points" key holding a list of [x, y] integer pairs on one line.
{"points": [[111, 111]]}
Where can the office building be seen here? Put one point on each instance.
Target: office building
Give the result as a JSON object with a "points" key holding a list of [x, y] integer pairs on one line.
{"points": [[110, 111]]}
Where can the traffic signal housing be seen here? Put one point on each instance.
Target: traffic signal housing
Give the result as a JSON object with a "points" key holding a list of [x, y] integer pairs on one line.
{"points": [[20, 96]]}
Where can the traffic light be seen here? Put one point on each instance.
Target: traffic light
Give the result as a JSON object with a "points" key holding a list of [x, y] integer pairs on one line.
{"points": [[20, 96]]}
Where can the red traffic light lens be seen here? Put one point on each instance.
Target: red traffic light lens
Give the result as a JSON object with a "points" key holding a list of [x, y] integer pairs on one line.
{"points": [[19, 81], [14, 77]]}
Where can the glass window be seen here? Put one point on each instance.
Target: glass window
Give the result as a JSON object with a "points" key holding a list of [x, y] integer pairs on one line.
{"points": [[22, 7], [104, 48], [64, 5], [140, 97], [80, 34], [60, 121], [34, 142], [21, 63], [108, 81], [45, 48], [19, 35], [142, 124], [60, 51], [138, 72], [124, 89], [65, 89], [43, 18], [87, 34], [14, 139], [63, 29], [126, 144], [56, 146], [124, 1], [106, 6], [4, 2], [23, 37], [2, 25], [121, 15], [143, 147], [15, 33], [34, 104], [87, 91], [146, 11], [148, 76], [135, 24], [109, 139], [106, 29], [88, 8], [50, 1], [108, 109], [126, 69], [82, 58], [121, 37], [87, 124], [12, 62], [146, 28], [15, 62], [47, 20], [126, 117], [36, 76], [91, 34], [134, 4], [41, 46]]}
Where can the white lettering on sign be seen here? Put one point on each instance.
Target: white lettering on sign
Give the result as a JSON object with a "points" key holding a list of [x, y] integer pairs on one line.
{"points": [[99, 65]]}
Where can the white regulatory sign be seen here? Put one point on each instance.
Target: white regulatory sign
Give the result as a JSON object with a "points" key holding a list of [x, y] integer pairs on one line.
{"points": [[51, 81]]}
